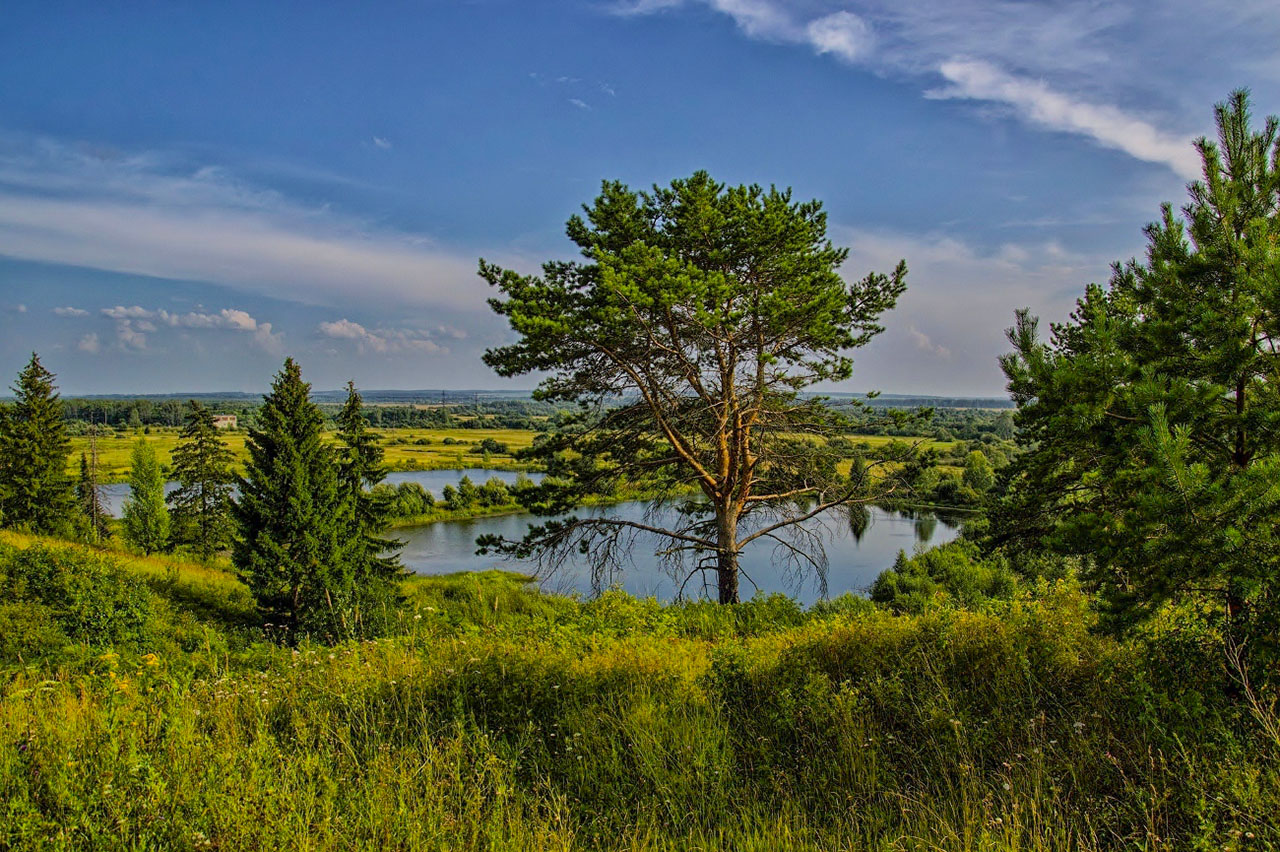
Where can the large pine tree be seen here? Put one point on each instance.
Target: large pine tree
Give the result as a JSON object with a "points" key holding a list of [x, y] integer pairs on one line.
{"points": [[35, 490], [201, 506], [294, 550], [360, 470]]}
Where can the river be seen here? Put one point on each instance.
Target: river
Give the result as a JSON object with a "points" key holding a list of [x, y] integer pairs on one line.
{"points": [[855, 559]]}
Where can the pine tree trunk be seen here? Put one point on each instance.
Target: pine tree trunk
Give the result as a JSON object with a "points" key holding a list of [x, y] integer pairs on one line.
{"points": [[727, 554]]}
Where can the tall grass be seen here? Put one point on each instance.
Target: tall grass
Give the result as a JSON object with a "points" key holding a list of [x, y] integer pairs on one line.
{"points": [[501, 718]]}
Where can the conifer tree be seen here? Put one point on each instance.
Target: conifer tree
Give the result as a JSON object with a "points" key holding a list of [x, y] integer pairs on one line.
{"points": [[360, 471], [294, 549], [146, 520], [1151, 419], [710, 309], [202, 503], [35, 490], [90, 501]]}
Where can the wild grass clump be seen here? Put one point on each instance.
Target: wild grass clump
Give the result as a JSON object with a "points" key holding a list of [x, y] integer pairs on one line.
{"points": [[502, 718]]}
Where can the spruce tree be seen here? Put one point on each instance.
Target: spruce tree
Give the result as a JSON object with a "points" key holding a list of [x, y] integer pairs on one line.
{"points": [[360, 471], [35, 490], [294, 549], [201, 506], [146, 520], [95, 515]]}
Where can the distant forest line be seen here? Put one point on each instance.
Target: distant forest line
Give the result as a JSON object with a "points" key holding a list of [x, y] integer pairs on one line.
{"points": [[934, 417]]}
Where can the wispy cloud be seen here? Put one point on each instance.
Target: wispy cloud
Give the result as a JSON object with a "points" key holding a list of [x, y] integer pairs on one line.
{"points": [[579, 103], [89, 343], [380, 340], [380, 142], [1074, 66], [146, 215], [840, 33], [70, 312], [948, 329], [1038, 104], [925, 342]]}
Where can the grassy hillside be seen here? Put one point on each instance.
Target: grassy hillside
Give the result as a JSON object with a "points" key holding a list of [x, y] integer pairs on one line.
{"points": [[497, 717]]}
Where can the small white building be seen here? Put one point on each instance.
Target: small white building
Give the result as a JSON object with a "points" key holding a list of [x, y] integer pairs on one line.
{"points": [[224, 421]]}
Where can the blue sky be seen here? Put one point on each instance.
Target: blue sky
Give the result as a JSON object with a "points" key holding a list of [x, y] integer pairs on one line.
{"points": [[189, 192]]}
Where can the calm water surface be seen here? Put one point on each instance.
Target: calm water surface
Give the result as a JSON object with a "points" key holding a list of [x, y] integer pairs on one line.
{"points": [[855, 559], [113, 496]]}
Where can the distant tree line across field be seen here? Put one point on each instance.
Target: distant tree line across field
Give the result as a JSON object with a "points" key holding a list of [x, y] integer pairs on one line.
{"points": [[947, 419]]}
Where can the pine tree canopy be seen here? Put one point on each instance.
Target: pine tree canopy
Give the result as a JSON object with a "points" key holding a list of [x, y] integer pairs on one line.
{"points": [[360, 470], [294, 548], [145, 518], [703, 310], [1151, 419]]}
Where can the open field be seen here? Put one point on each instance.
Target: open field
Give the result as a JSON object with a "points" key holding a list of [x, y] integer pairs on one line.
{"points": [[403, 448], [407, 449]]}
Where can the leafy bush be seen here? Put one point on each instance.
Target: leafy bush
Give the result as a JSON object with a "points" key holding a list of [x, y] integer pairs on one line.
{"points": [[89, 597], [954, 574]]}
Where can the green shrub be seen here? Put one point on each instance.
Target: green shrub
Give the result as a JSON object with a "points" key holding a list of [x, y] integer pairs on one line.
{"points": [[90, 598], [28, 630], [953, 574]]}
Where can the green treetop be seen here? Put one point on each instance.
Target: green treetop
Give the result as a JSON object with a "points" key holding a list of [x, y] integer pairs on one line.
{"points": [[35, 490], [202, 502], [1151, 420], [95, 515], [360, 471], [705, 310], [294, 548], [146, 520]]}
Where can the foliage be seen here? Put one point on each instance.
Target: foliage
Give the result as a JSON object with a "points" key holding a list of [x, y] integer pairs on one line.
{"points": [[503, 718], [35, 491], [95, 514], [376, 566], [202, 502], [1151, 420], [294, 547], [953, 574], [707, 310], [145, 517], [58, 594]]}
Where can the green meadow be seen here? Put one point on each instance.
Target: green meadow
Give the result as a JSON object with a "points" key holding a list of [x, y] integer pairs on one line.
{"points": [[142, 706]]}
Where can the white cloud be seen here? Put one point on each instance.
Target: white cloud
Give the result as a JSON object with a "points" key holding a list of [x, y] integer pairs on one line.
{"points": [[579, 103], [119, 312], [143, 215], [382, 143], [343, 329], [134, 322], [21, 309], [924, 342], [70, 312], [948, 329], [842, 34], [129, 337], [1038, 104], [89, 343], [380, 340], [1115, 73]]}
